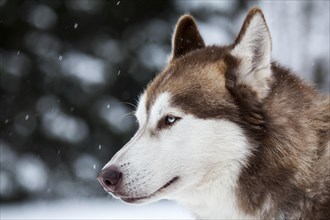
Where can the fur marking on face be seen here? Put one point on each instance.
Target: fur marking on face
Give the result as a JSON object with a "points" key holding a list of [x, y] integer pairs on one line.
{"points": [[228, 133]]}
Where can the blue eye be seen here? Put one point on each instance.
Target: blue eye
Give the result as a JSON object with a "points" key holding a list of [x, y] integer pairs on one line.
{"points": [[170, 119], [167, 121]]}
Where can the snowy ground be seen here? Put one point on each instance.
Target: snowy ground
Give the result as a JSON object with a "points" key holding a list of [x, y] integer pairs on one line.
{"points": [[93, 209]]}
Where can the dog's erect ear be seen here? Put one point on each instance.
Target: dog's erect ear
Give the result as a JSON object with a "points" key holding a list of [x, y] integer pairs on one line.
{"points": [[186, 37], [252, 48]]}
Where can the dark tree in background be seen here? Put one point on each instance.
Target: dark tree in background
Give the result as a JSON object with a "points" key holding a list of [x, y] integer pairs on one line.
{"points": [[70, 75]]}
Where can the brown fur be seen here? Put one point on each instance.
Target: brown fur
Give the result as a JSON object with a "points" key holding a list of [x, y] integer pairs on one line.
{"points": [[186, 38], [284, 166], [289, 130]]}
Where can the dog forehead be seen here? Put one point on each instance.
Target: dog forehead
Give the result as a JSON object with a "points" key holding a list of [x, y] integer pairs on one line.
{"points": [[161, 104], [188, 80]]}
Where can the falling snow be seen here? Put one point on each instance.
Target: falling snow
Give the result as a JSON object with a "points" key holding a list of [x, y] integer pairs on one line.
{"points": [[18, 52], [94, 166], [27, 117], [60, 57], [6, 121], [100, 146], [118, 2], [75, 25], [108, 106], [118, 73]]}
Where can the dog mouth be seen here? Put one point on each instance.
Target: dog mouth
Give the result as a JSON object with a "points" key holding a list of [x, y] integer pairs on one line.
{"points": [[138, 199]]}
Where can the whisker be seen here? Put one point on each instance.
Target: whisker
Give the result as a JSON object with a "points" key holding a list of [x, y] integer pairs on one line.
{"points": [[131, 104], [131, 114]]}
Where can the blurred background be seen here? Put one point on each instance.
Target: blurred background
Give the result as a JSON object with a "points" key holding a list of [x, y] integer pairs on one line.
{"points": [[71, 72]]}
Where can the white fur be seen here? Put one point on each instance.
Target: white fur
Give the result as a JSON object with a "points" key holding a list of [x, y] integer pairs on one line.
{"points": [[256, 36], [206, 155], [141, 112]]}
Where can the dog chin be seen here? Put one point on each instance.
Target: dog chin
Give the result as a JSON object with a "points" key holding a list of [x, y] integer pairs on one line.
{"points": [[157, 195], [144, 200]]}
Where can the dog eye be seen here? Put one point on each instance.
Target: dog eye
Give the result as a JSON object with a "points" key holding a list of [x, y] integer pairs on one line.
{"points": [[170, 119], [167, 121]]}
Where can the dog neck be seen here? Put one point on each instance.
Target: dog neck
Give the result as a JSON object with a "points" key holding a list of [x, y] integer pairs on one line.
{"points": [[214, 199]]}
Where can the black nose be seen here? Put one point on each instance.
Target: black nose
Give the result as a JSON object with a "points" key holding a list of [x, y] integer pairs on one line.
{"points": [[109, 178]]}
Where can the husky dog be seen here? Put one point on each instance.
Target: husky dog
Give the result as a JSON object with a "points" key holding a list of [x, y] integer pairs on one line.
{"points": [[228, 133]]}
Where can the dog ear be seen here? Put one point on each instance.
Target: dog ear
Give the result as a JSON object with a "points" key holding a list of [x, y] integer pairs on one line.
{"points": [[252, 48], [186, 37]]}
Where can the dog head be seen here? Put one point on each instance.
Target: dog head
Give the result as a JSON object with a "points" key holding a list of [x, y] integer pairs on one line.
{"points": [[191, 126]]}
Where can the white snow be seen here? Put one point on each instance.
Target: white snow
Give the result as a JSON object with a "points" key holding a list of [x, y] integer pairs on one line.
{"points": [[299, 39], [31, 173], [62, 126], [210, 5], [118, 116], [88, 69], [42, 16], [86, 167], [153, 56], [6, 186], [13, 64], [92, 209]]}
